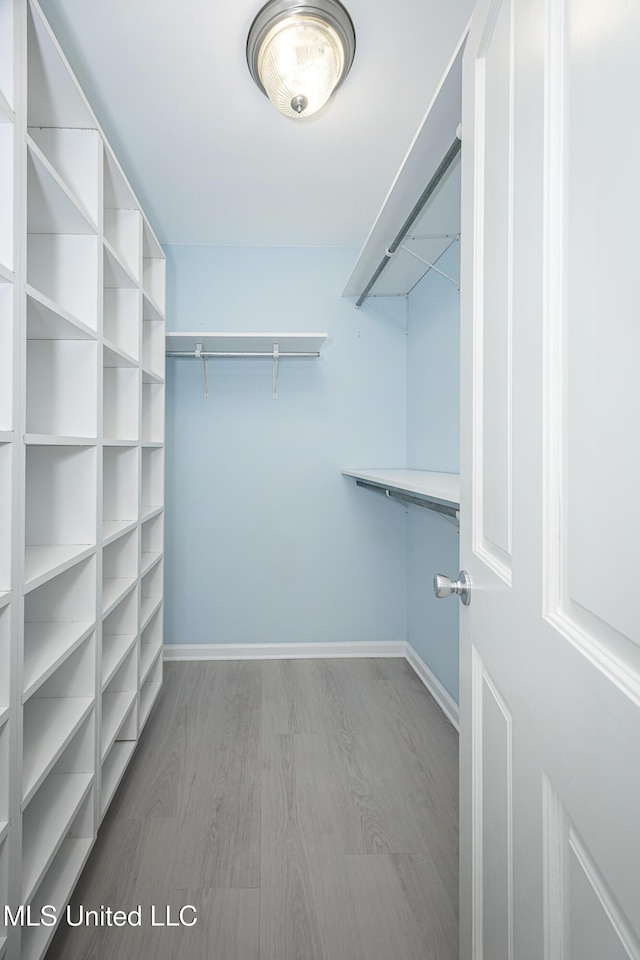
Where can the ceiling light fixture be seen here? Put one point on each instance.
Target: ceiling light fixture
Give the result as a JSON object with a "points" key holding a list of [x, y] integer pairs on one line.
{"points": [[299, 53]]}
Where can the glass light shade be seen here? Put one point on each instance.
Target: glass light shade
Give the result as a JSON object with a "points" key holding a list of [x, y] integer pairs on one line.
{"points": [[300, 63]]}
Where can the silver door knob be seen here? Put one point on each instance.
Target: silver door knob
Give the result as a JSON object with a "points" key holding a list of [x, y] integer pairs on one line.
{"points": [[444, 586]]}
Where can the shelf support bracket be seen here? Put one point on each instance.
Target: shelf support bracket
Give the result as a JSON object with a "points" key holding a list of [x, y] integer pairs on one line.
{"points": [[276, 363], [431, 266], [202, 356]]}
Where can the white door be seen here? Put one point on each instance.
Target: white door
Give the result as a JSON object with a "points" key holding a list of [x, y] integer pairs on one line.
{"points": [[550, 534]]}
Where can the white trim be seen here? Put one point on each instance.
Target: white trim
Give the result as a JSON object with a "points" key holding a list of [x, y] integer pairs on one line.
{"points": [[283, 651], [299, 651], [444, 699]]}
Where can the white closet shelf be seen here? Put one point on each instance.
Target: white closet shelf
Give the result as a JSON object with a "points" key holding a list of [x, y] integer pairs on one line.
{"points": [[149, 653], [113, 529], [151, 309], [48, 321], [47, 646], [148, 511], [43, 562], [46, 822], [113, 770], [54, 440], [438, 489], [148, 607], [6, 274], [4, 715], [6, 596], [246, 343], [116, 271], [114, 442], [7, 436], [53, 207], [115, 650], [149, 694], [114, 356], [148, 376], [49, 726], [8, 116], [115, 710], [149, 560], [114, 590], [4, 830]]}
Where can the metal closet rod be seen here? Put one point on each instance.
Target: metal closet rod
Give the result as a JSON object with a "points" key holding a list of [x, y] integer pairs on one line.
{"points": [[237, 354], [444, 165], [446, 509]]}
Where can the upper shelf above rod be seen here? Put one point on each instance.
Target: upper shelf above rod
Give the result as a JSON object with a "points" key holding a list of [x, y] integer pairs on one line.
{"points": [[243, 346], [420, 217]]}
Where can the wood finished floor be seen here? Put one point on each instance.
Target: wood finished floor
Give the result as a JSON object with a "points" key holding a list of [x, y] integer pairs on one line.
{"points": [[307, 808]]}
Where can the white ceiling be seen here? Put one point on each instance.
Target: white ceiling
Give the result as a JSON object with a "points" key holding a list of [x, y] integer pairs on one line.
{"points": [[211, 160]]}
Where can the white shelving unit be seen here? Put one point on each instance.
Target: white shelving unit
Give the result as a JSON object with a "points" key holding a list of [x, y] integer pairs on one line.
{"points": [[81, 473]]}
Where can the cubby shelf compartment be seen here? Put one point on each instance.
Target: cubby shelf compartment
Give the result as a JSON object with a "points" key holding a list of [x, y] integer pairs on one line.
{"points": [[152, 412], [152, 478], [117, 710], [54, 97], [113, 770], [46, 320], [121, 319], [74, 155], [114, 654], [114, 591], [7, 182], [116, 272], [119, 570], [60, 509], [113, 529], [42, 563], [7, 327], [122, 233], [59, 616], [153, 270], [49, 726], [148, 513], [148, 607], [61, 388], [119, 488], [6, 514], [55, 889], [51, 206], [114, 356], [150, 646], [7, 41], [152, 546], [64, 268], [46, 822], [150, 689], [121, 403], [153, 348]]}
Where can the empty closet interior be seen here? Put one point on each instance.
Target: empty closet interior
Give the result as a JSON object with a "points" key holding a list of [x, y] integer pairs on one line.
{"points": [[311, 466]]}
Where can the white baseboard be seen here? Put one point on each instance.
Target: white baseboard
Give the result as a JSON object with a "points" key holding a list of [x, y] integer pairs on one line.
{"points": [[444, 699], [298, 651], [283, 651]]}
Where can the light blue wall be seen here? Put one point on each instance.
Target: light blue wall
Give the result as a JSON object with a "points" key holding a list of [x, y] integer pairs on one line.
{"points": [[265, 540], [433, 440]]}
